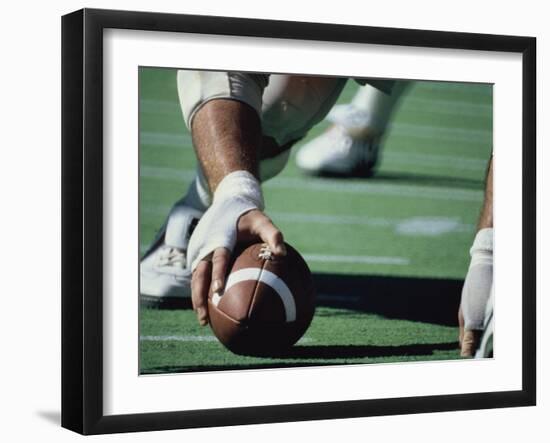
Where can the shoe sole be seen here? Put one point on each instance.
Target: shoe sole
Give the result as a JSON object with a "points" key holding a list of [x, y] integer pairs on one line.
{"points": [[360, 171]]}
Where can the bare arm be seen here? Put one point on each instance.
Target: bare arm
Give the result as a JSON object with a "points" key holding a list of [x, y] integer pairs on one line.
{"points": [[227, 137], [486, 216], [478, 281]]}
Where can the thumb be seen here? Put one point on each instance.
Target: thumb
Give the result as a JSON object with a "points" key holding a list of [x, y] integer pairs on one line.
{"points": [[470, 342], [273, 237]]}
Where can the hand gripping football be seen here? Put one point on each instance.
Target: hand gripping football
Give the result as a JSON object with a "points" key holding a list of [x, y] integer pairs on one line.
{"points": [[268, 302]]}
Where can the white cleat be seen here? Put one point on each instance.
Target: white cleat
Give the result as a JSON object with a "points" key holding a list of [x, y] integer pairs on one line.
{"points": [[165, 280], [336, 153], [349, 148]]}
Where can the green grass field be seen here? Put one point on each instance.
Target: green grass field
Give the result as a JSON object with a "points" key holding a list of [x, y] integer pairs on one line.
{"points": [[388, 253]]}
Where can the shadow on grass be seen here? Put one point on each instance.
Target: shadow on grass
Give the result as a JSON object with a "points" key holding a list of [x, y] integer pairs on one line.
{"points": [[405, 178], [428, 300], [418, 299], [328, 352], [318, 356], [431, 180]]}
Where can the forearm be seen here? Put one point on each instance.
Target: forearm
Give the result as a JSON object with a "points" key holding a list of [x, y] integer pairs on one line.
{"points": [[221, 109], [478, 283], [486, 216], [226, 136]]}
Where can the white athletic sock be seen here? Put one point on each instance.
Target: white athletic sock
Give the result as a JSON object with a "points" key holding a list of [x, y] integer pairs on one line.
{"points": [[378, 104], [238, 193], [368, 113]]}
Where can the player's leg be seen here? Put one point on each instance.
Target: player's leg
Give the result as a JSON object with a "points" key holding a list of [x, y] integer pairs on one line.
{"points": [[165, 277], [291, 105], [350, 147], [475, 305], [226, 137]]}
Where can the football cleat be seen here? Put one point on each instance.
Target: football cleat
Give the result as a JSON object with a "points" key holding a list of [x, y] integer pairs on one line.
{"points": [[336, 153], [349, 148], [165, 279]]}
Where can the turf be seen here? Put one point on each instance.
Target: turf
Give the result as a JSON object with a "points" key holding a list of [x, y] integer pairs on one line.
{"points": [[388, 253], [336, 336]]}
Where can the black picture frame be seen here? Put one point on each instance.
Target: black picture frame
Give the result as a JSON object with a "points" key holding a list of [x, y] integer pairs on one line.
{"points": [[82, 220]]}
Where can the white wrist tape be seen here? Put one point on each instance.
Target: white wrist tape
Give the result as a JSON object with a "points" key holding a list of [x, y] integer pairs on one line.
{"points": [[479, 280], [482, 248], [238, 193]]}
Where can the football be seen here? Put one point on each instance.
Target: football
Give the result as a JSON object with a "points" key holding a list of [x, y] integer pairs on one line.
{"points": [[268, 302]]}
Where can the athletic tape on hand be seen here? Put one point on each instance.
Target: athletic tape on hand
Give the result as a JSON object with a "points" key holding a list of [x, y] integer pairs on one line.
{"points": [[479, 279], [238, 193]]}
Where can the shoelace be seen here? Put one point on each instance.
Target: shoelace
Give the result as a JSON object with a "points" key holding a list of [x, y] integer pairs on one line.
{"points": [[342, 142], [339, 140], [172, 257]]}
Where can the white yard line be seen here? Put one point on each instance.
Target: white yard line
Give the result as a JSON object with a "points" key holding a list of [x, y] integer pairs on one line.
{"points": [[184, 338], [165, 139], [340, 219], [166, 173], [446, 107], [335, 186], [428, 132], [183, 141], [180, 141], [410, 226], [410, 102], [436, 161], [373, 188], [426, 226], [409, 130], [152, 106], [195, 338], [455, 86], [333, 258]]}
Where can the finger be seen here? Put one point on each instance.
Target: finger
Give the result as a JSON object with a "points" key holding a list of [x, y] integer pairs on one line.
{"points": [[220, 262], [269, 234], [470, 342], [255, 224], [460, 326], [200, 283]]}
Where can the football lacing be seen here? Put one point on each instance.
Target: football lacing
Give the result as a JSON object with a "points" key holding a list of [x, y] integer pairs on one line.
{"points": [[265, 253], [170, 256]]}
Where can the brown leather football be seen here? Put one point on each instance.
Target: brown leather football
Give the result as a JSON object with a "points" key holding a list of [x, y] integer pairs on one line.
{"points": [[268, 302]]}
